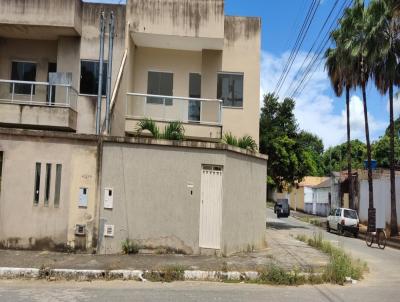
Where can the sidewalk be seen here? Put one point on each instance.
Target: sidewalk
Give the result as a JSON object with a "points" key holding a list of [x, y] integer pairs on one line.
{"points": [[275, 254]]}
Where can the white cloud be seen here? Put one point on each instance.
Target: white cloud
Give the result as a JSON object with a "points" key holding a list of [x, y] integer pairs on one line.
{"points": [[314, 107], [357, 119], [396, 106]]}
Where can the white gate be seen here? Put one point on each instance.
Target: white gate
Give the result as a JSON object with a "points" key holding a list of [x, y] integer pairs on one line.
{"points": [[210, 207]]}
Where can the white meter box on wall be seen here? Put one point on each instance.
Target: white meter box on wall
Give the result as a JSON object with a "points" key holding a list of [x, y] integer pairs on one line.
{"points": [[108, 198]]}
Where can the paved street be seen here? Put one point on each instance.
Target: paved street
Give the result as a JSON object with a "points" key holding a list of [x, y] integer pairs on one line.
{"points": [[382, 284]]}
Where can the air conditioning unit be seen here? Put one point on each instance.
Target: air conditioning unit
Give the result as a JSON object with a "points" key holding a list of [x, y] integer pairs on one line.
{"points": [[108, 230], [80, 230]]}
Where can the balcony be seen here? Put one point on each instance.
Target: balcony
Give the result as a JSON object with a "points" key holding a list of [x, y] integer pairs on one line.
{"points": [[38, 105], [40, 19], [180, 24], [201, 118]]}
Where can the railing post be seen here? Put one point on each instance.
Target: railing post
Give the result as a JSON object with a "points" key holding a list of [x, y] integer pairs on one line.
{"points": [[50, 93], [164, 109], [67, 97], [144, 106], [220, 113], [201, 111], [13, 90], [31, 93]]}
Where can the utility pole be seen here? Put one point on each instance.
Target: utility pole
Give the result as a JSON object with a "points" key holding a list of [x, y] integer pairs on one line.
{"points": [[101, 62], [109, 69]]}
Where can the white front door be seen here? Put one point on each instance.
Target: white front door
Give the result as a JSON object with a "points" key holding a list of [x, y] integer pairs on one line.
{"points": [[210, 207]]}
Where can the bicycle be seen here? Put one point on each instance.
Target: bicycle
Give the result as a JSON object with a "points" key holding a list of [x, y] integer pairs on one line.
{"points": [[379, 236]]}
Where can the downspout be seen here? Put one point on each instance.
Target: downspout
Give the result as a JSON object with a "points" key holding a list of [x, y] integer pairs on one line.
{"points": [[101, 62], [109, 69]]}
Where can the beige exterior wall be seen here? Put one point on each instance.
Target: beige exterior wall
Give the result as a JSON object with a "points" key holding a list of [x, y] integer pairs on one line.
{"points": [[25, 225], [242, 54]]}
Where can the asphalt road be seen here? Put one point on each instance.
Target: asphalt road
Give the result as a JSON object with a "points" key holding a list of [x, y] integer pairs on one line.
{"points": [[382, 284]]}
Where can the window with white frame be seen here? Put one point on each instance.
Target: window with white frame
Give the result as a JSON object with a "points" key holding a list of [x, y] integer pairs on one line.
{"points": [[230, 89]]}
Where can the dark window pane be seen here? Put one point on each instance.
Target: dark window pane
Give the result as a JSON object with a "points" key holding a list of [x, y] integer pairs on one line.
{"points": [[194, 92], [23, 71], [37, 184], [230, 89], [90, 77], [159, 83], [350, 214], [58, 186], [47, 189]]}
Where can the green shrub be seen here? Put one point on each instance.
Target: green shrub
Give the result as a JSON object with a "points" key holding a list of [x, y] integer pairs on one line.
{"points": [[248, 143], [245, 142], [149, 125], [174, 131], [130, 247], [278, 276], [230, 139]]}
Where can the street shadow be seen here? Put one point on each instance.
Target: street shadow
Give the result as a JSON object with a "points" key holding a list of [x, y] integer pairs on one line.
{"points": [[282, 226]]}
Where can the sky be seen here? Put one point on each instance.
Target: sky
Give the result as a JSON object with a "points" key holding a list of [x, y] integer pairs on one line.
{"points": [[317, 109]]}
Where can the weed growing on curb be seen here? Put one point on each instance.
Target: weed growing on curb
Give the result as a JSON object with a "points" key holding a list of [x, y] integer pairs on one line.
{"points": [[166, 274], [341, 265]]}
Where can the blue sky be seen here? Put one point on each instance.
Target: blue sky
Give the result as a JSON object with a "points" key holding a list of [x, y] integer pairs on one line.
{"points": [[318, 110]]}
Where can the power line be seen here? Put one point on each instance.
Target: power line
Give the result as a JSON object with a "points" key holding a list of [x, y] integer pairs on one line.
{"points": [[312, 66], [312, 47], [299, 41]]}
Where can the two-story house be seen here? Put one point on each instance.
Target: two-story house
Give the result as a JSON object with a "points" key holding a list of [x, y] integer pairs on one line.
{"points": [[63, 186]]}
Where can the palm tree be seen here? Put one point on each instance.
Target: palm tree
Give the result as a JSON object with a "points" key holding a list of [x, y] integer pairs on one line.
{"points": [[384, 31], [338, 64], [354, 28]]}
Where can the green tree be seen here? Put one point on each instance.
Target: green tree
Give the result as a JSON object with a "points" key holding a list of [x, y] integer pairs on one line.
{"points": [[384, 32], [380, 151], [334, 158], [291, 154]]}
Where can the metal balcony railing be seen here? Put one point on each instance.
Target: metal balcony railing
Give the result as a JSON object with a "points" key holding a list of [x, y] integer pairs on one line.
{"points": [[172, 108], [38, 93]]}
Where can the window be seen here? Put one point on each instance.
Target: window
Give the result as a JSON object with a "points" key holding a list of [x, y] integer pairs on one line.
{"points": [[58, 186], [194, 92], [350, 214], [230, 89], [37, 184], [47, 188], [338, 212], [159, 83], [90, 77], [23, 71]]}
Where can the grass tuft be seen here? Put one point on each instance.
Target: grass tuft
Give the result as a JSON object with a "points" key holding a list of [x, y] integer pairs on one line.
{"points": [[341, 265]]}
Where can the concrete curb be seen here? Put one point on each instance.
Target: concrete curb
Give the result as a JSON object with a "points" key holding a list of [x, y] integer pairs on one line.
{"points": [[137, 275]]}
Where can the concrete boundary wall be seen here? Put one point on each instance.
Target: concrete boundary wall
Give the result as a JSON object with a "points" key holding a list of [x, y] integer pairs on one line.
{"points": [[156, 192]]}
